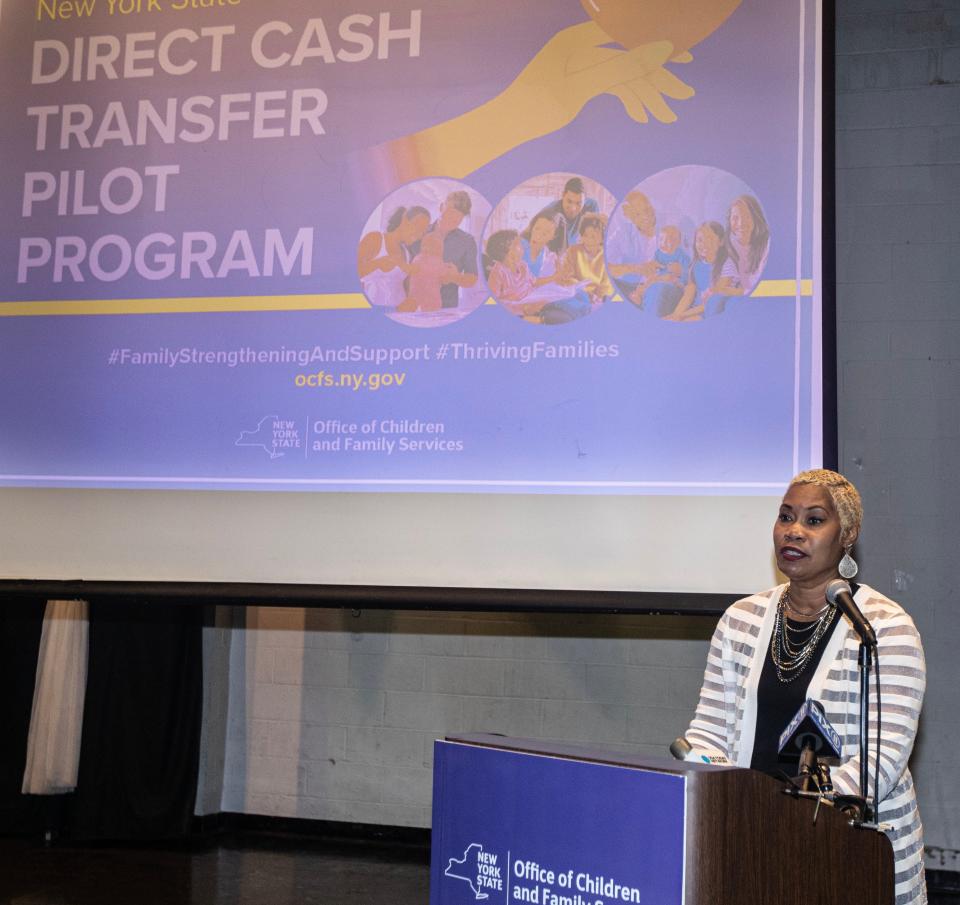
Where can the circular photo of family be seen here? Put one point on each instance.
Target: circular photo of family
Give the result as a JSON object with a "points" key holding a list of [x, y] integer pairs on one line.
{"points": [[688, 243], [543, 256], [419, 259]]}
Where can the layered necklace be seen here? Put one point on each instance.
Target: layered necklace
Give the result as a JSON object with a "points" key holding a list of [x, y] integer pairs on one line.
{"points": [[792, 648]]}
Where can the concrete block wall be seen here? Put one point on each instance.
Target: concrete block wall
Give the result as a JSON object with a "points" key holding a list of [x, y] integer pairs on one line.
{"points": [[332, 715], [898, 297]]}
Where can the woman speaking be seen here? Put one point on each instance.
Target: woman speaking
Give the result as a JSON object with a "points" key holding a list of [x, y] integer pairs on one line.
{"points": [[774, 650]]}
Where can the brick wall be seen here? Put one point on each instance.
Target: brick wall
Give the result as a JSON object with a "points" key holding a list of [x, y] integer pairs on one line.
{"points": [[898, 297], [333, 715]]}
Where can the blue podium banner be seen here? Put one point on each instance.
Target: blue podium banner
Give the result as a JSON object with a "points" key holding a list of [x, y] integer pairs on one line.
{"points": [[513, 827]]}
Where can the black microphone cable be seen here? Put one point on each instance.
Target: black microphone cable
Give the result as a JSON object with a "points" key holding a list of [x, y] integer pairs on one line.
{"points": [[876, 766]]}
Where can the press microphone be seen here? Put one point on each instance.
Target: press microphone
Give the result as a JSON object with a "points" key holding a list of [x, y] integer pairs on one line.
{"points": [[810, 733], [811, 729], [839, 594], [681, 749]]}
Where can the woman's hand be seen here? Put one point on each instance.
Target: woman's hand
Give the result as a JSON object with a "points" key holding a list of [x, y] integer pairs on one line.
{"points": [[727, 286]]}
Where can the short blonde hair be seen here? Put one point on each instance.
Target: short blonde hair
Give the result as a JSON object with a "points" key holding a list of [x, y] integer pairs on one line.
{"points": [[846, 498]]}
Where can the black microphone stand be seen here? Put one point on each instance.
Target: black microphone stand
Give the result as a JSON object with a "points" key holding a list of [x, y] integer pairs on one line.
{"points": [[809, 765], [839, 594], [864, 662]]}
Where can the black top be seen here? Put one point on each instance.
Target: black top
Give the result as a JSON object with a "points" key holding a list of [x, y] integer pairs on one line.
{"points": [[778, 702]]}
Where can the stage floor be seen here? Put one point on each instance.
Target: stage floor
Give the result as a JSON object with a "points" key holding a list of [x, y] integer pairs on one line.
{"points": [[248, 869], [263, 870]]}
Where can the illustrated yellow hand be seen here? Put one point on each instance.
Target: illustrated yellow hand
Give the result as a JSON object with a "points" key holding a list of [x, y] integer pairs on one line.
{"points": [[571, 69], [575, 66], [648, 93]]}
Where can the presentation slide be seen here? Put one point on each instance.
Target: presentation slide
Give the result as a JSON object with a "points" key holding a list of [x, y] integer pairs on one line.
{"points": [[558, 248]]}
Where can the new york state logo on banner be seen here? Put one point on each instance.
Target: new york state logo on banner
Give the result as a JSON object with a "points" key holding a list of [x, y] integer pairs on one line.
{"points": [[481, 870]]}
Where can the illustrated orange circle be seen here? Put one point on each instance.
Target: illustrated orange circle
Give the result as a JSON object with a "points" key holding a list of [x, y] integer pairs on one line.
{"points": [[684, 23]]}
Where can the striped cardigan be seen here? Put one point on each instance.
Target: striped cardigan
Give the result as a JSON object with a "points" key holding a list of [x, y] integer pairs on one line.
{"points": [[725, 721]]}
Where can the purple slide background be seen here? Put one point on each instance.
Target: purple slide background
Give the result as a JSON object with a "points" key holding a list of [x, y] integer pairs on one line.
{"points": [[711, 402]]}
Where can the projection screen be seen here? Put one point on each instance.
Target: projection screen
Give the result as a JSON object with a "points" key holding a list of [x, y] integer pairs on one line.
{"points": [[480, 294]]}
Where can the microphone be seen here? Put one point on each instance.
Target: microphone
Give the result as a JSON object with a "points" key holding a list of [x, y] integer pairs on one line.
{"points": [[839, 594], [681, 749], [810, 728], [811, 733]]}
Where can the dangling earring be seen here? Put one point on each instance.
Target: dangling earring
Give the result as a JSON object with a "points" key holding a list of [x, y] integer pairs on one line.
{"points": [[848, 565]]}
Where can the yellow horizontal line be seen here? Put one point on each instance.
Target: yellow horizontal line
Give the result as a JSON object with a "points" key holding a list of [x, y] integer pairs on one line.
{"points": [[197, 304], [330, 302], [782, 289]]}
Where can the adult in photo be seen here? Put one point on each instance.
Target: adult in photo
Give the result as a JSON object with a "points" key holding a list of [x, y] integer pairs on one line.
{"points": [[383, 258], [460, 250], [536, 239], [632, 245], [776, 649], [747, 244], [568, 212]]}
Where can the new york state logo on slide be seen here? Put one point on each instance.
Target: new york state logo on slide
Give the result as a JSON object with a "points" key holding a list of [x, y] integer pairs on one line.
{"points": [[276, 436], [482, 871]]}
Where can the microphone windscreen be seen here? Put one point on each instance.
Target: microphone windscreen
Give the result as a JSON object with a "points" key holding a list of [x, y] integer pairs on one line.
{"points": [[840, 595], [837, 587]]}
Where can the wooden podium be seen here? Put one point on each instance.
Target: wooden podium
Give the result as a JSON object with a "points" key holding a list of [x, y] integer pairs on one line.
{"points": [[737, 838]]}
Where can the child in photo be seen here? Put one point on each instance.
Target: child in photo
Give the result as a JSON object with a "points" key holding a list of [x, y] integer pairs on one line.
{"points": [[672, 261], [585, 260], [508, 274], [704, 294], [671, 266], [584, 270], [427, 271]]}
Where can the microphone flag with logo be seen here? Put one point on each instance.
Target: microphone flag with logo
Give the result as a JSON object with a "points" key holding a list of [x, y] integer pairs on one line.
{"points": [[810, 726]]}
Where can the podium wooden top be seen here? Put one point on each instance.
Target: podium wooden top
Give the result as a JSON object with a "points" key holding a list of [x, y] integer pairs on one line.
{"points": [[588, 753]]}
